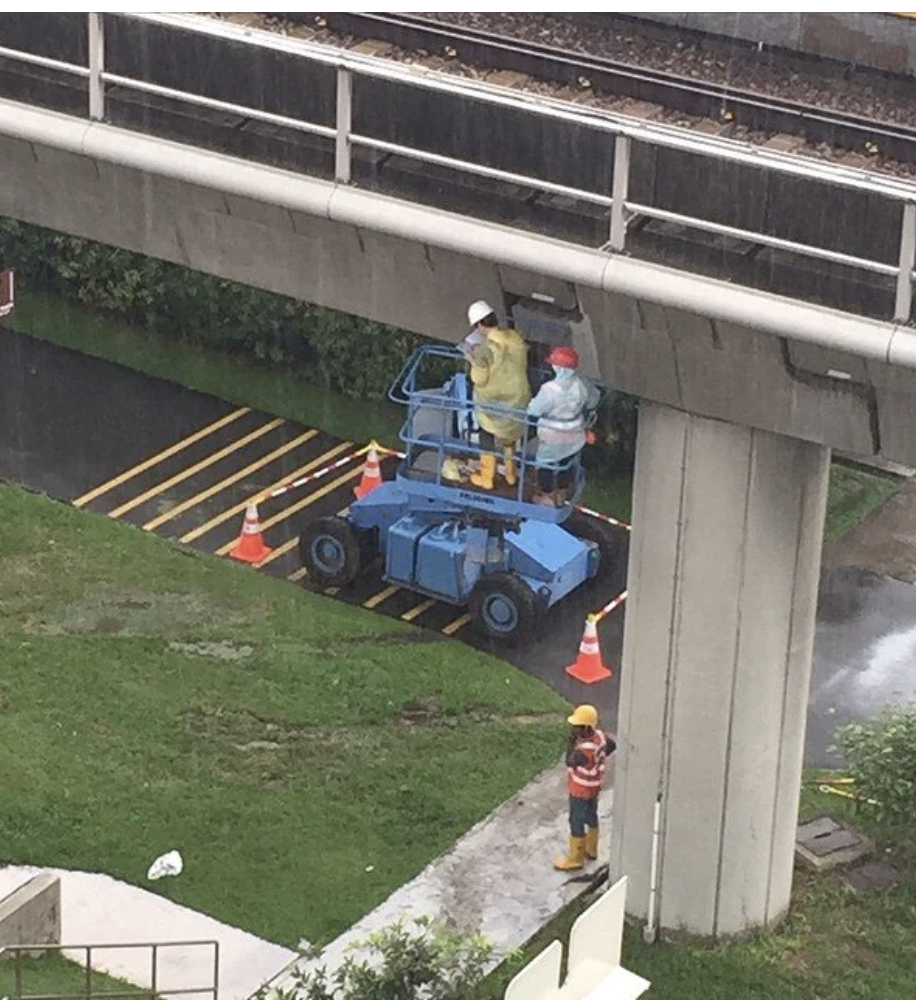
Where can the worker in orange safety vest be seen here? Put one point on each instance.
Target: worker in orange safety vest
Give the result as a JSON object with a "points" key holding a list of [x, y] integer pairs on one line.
{"points": [[587, 751]]}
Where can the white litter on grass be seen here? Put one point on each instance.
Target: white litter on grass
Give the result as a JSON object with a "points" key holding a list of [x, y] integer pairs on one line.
{"points": [[167, 864]]}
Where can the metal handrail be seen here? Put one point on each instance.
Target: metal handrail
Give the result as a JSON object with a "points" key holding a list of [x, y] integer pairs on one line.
{"points": [[326, 131], [17, 55], [625, 131], [403, 391], [505, 176], [751, 236], [88, 993]]}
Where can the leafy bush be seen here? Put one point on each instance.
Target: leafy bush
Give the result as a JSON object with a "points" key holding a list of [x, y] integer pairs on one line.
{"points": [[881, 757], [427, 963]]}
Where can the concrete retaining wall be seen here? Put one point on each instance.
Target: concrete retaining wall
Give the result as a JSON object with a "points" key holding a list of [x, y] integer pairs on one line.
{"points": [[31, 914]]}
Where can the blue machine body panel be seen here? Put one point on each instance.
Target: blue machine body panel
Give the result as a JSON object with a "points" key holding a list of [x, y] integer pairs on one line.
{"points": [[440, 552], [551, 560], [439, 538]]}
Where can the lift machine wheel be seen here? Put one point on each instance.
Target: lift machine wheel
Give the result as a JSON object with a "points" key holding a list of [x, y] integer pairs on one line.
{"points": [[330, 551], [504, 607]]}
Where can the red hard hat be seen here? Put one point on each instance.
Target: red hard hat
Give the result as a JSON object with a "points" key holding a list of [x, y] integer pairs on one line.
{"points": [[564, 357]]}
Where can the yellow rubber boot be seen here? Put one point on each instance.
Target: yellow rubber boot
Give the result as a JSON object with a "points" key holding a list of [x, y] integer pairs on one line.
{"points": [[484, 478], [591, 842], [509, 459], [576, 857], [451, 470]]}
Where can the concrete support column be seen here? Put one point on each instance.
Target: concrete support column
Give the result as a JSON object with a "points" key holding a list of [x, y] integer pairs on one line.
{"points": [[723, 576]]}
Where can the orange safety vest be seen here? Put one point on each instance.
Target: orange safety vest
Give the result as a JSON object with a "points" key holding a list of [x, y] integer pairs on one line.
{"points": [[584, 781]]}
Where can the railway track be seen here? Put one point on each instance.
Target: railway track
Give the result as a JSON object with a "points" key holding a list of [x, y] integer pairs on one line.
{"points": [[727, 105]]}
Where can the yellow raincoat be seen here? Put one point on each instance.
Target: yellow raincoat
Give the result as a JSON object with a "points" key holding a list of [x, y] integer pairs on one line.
{"points": [[499, 372]]}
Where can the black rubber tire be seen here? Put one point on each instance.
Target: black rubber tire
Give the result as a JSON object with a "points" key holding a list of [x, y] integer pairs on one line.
{"points": [[506, 598], [613, 543], [330, 550]]}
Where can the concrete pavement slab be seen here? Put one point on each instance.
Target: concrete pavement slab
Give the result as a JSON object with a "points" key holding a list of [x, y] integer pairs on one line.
{"points": [[12, 879]]}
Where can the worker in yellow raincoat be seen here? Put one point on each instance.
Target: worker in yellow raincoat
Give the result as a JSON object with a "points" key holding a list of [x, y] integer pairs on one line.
{"points": [[499, 374]]}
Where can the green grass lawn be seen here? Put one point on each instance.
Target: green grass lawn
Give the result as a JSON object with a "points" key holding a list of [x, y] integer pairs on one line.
{"points": [[306, 763], [835, 945], [854, 494]]}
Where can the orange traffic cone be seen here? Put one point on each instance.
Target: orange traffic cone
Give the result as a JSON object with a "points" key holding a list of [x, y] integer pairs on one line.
{"points": [[250, 547], [372, 473], [589, 667]]}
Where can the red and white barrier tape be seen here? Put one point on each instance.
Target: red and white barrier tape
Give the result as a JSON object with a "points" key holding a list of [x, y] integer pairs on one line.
{"points": [[603, 517], [312, 476], [609, 607], [339, 464]]}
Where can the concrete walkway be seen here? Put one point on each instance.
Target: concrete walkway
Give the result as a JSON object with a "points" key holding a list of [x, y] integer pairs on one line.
{"points": [[497, 880], [97, 909]]}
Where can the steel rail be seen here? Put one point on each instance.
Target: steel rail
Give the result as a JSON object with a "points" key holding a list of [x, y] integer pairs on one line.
{"points": [[707, 99]]}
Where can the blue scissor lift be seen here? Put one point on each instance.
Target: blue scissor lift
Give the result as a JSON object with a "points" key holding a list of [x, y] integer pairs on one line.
{"points": [[506, 557]]}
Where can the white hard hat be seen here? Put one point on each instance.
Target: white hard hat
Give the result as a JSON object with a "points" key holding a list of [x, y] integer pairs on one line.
{"points": [[479, 310]]}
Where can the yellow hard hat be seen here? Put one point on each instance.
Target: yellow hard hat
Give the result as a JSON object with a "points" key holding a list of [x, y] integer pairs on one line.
{"points": [[584, 715]]}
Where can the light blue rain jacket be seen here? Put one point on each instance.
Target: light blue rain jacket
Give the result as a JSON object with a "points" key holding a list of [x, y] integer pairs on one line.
{"points": [[561, 406]]}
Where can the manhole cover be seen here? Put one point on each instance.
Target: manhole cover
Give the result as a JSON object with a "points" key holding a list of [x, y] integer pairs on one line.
{"points": [[827, 843]]}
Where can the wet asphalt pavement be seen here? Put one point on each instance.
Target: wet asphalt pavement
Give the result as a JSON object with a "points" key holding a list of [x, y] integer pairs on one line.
{"points": [[183, 464], [865, 652]]}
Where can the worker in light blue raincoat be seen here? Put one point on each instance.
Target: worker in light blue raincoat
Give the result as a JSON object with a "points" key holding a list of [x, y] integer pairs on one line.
{"points": [[562, 407]]}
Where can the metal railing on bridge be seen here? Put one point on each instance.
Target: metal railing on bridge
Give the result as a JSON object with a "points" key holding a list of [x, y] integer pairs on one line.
{"points": [[91, 988], [624, 214]]}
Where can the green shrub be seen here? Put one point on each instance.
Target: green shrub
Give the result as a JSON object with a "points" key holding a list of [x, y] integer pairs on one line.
{"points": [[427, 963], [881, 758]]}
